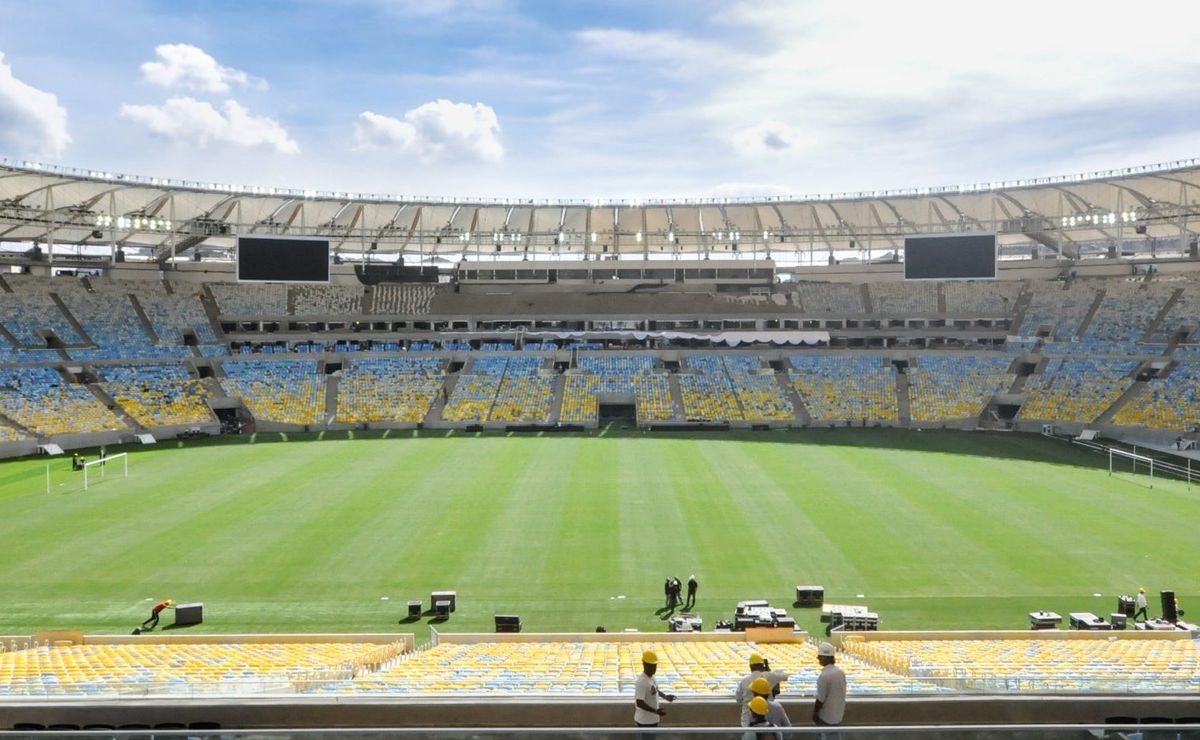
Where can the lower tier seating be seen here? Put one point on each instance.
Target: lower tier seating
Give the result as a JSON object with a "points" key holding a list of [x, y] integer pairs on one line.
{"points": [[953, 388], [40, 400], [284, 391], [842, 388]]}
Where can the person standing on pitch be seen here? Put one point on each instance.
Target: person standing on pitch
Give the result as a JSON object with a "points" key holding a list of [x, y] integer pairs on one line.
{"points": [[667, 593], [691, 597], [759, 668], [1141, 605], [152, 622], [646, 712], [830, 706]]}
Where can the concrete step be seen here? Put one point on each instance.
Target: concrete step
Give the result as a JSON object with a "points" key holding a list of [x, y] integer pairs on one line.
{"points": [[785, 383], [903, 402], [66, 312], [142, 317], [331, 396], [1091, 314], [103, 397], [1135, 390]]}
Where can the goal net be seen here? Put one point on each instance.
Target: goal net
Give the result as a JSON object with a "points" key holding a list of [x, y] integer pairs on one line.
{"points": [[64, 476]]}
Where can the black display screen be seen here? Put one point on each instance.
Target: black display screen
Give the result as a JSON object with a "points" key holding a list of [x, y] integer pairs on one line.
{"points": [[950, 257], [280, 260]]}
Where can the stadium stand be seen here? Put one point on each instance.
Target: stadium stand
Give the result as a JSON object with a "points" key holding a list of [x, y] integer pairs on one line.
{"points": [[757, 390], [1072, 390], [474, 393], [30, 308], [842, 388], [266, 299], [981, 298], [831, 298], [315, 300], [1061, 307], [1171, 403], [523, 395], [905, 298], [616, 375], [398, 389], [405, 299], [39, 399], [699, 668], [158, 395], [109, 318], [210, 668], [955, 387], [284, 391], [172, 313], [1184, 314], [1043, 665]]}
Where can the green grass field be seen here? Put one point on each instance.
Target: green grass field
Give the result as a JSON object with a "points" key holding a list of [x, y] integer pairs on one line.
{"points": [[934, 529]]}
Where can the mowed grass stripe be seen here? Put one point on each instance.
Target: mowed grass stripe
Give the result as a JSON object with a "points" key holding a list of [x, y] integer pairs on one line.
{"points": [[938, 529]]}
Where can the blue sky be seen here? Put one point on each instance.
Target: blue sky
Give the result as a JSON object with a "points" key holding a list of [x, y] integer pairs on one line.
{"points": [[578, 99]]}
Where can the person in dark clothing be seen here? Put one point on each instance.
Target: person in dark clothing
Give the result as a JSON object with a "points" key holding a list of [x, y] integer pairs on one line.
{"points": [[667, 593], [692, 585], [152, 622]]}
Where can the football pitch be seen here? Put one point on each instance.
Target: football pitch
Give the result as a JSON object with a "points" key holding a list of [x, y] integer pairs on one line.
{"points": [[929, 529]]}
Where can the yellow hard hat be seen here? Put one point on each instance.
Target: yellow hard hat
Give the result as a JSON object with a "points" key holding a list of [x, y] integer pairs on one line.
{"points": [[1141, 590], [756, 659], [760, 685], [758, 705], [650, 657]]}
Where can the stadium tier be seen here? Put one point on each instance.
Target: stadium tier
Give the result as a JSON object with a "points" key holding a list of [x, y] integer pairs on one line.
{"points": [[852, 389], [131, 669], [1061, 342], [901, 664], [959, 387], [284, 391], [1172, 402], [38, 399], [158, 395], [389, 389], [1038, 665], [1076, 390]]}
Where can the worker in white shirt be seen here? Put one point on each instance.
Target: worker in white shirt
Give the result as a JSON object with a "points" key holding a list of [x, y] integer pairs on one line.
{"points": [[759, 668], [761, 687], [830, 706], [647, 712], [1141, 605]]}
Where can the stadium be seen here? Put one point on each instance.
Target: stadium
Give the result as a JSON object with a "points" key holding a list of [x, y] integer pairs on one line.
{"points": [[427, 466]]}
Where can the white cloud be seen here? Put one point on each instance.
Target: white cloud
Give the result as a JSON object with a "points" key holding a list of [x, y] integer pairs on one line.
{"points": [[439, 130], [768, 137], [190, 121], [32, 123], [192, 68]]}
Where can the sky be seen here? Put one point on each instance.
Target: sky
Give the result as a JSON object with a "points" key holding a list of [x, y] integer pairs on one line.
{"points": [[579, 99]]}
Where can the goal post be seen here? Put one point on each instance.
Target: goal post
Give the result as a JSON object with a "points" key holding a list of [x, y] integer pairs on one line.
{"points": [[1125, 462], [95, 471]]}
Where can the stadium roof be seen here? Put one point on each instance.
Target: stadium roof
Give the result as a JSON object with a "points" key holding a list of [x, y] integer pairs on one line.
{"points": [[58, 205]]}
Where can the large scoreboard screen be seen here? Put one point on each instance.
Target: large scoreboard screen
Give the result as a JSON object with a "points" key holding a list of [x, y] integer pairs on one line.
{"points": [[282, 260], [950, 257]]}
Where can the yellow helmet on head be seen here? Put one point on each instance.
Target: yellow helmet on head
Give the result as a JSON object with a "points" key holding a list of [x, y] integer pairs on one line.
{"points": [[758, 705], [760, 686], [756, 659], [650, 657]]}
